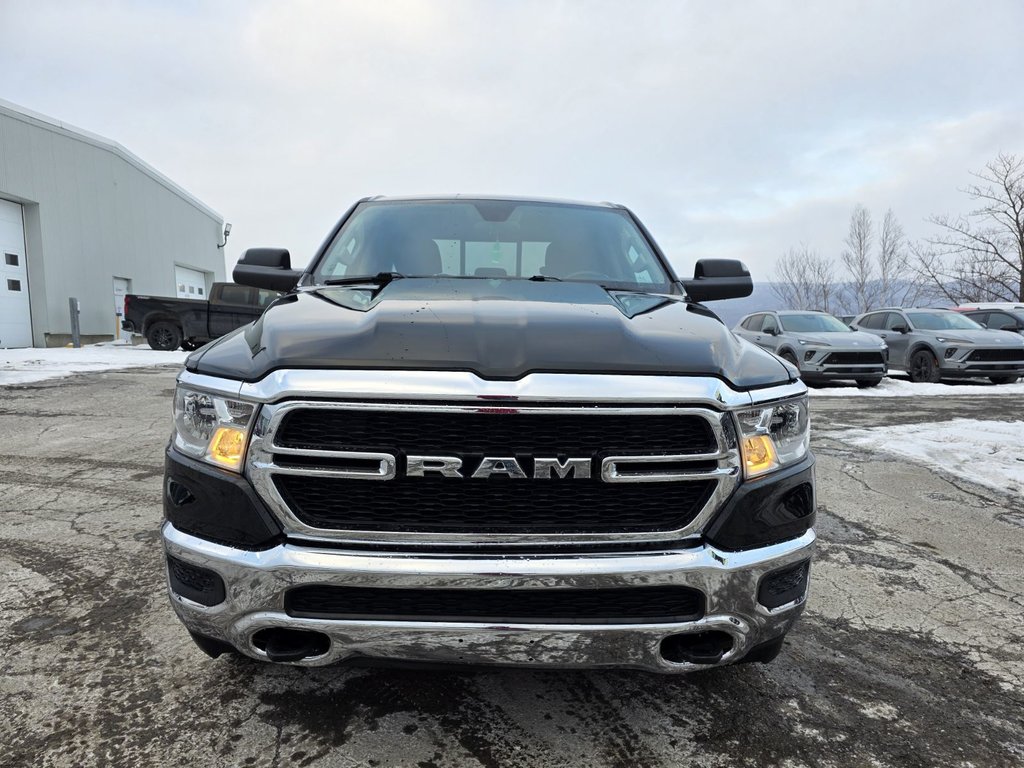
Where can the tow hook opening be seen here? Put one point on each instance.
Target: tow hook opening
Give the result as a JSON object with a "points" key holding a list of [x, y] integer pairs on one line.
{"points": [[282, 644], [697, 647]]}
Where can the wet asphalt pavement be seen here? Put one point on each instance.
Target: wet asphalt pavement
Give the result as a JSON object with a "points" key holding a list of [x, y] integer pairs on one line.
{"points": [[911, 651]]}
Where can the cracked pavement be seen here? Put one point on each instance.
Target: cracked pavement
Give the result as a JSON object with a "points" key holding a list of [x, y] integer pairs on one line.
{"points": [[911, 651]]}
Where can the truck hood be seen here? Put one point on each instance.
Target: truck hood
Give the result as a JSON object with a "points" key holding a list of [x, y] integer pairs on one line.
{"points": [[852, 340], [496, 328]]}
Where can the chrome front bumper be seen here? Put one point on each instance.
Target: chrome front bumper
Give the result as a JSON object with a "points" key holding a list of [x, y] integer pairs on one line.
{"points": [[256, 583]]}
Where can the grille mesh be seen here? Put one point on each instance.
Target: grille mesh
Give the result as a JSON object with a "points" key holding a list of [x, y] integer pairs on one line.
{"points": [[457, 433], [854, 358], [620, 605], [986, 355], [497, 505]]}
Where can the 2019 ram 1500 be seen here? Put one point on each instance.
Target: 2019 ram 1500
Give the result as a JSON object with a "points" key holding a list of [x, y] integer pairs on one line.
{"points": [[489, 431]]}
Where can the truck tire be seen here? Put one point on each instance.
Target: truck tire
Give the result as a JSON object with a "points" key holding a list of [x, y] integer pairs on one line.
{"points": [[872, 382], [923, 367], [1003, 379], [164, 336]]}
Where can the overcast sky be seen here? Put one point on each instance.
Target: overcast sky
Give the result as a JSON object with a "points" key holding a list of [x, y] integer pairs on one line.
{"points": [[732, 129]]}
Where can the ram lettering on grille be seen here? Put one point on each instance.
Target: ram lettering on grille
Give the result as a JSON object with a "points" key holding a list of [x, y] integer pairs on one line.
{"points": [[367, 472]]}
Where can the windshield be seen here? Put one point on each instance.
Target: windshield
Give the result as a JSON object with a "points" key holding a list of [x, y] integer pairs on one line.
{"points": [[812, 323], [493, 239], [942, 321]]}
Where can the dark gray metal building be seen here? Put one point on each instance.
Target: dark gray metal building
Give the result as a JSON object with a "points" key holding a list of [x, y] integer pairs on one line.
{"points": [[81, 216]]}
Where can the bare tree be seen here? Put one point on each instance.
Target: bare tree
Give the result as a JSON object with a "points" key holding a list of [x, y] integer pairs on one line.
{"points": [[980, 256], [899, 283], [804, 279], [859, 290]]}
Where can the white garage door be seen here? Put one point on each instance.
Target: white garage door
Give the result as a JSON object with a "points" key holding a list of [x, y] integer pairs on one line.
{"points": [[15, 319], [190, 283]]}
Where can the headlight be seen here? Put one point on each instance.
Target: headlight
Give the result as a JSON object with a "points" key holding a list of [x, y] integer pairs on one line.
{"points": [[774, 436], [212, 428], [949, 340], [812, 343]]}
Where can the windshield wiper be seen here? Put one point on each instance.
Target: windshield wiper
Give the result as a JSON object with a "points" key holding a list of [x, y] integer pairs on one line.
{"points": [[381, 279], [544, 279]]}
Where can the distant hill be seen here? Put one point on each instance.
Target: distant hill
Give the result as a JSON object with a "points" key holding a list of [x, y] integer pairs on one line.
{"points": [[732, 310]]}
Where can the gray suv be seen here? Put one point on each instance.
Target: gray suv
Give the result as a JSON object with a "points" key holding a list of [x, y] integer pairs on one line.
{"points": [[820, 346], [934, 344], [997, 319]]}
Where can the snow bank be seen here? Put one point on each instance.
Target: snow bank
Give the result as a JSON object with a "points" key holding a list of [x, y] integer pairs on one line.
{"points": [[24, 366], [901, 387], [990, 453]]}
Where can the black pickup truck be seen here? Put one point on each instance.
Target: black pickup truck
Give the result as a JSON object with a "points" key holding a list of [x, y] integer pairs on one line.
{"points": [[169, 323], [489, 431]]}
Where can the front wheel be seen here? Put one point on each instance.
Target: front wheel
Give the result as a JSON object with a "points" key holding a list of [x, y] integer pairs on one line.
{"points": [[872, 382], [1003, 379], [164, 336], [924, 368]]}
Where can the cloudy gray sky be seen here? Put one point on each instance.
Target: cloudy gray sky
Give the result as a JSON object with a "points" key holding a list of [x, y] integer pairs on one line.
{"points": [[733, 129]]}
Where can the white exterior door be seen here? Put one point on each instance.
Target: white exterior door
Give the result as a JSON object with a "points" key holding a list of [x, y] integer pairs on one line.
{"points": [[15, 317], [190, 283], [122, 287]]}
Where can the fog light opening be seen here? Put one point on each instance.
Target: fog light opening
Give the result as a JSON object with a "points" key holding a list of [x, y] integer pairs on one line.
{"points": [[696, 647], [784, 586]]}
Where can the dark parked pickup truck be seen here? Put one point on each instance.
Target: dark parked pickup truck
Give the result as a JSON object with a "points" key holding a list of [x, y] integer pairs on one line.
{"points": [[489, 431], [169, 323]]}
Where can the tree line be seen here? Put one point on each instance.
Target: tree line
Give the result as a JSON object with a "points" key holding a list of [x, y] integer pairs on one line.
{"points": [[973, 257]]}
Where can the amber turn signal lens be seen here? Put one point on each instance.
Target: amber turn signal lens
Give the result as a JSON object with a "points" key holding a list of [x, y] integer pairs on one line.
{"points": [[227, 446], [758, 454]]}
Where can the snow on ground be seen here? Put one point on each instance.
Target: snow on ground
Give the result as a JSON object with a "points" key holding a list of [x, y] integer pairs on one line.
{"points": [[984, 452], [24, 366], [902, 387]]}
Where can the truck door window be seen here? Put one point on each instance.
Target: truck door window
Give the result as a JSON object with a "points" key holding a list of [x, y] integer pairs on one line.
{"points": [[234, 294]]}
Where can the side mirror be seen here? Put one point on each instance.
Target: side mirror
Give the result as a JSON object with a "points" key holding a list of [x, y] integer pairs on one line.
{"points": [[773, 331], [716, 279], [901, 329], [266, 268]]}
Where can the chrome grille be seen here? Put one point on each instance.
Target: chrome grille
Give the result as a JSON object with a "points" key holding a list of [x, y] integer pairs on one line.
{"points": [[656, 473]]}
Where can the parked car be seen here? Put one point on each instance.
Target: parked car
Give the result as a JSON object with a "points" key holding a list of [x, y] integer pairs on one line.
{"points": [[934, 344], [169, 323], [999, 319], [821, 346]]}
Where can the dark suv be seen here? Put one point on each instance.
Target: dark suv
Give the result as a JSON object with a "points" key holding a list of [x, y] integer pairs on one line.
{"points": [[935, 344]]}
